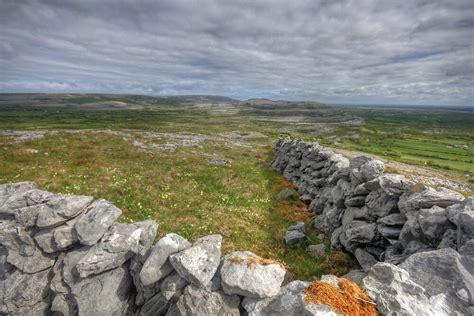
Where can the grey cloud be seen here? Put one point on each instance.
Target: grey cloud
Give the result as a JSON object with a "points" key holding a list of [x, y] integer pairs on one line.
{"points": [[335, 51]]}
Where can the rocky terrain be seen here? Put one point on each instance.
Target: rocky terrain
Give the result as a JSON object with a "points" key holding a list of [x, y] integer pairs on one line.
{"points": [[70, 255], [404, 235], [67, 255], [292, 111]]}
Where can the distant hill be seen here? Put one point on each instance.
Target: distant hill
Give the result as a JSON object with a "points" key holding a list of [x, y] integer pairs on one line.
{"points": [[299, 111], [107, 101]]}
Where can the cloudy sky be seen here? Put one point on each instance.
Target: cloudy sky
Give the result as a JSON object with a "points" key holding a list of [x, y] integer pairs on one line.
{"points": [[337, 51]]}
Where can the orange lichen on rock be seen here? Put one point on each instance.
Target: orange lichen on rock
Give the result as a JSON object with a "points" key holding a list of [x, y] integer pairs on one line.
{"points": [[349, 298]]}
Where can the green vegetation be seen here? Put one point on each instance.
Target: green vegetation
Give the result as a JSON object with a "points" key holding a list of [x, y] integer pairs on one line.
{"points": [[190, 197], [438, 139]]}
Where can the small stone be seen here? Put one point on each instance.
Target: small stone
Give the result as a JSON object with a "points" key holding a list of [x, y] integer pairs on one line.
{"points": [[295, 238], [317, 251], [286, 194]]}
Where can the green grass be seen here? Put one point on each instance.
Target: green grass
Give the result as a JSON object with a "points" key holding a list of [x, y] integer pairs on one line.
{"points": [[186, 195], [178, 189], [435, 138]]}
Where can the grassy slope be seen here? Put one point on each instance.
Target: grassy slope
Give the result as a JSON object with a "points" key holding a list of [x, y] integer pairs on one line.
{"points": [[178, 189]]}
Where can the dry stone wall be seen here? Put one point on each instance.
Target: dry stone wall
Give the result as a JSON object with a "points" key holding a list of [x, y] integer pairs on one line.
{"points": [[381, 217], [68, 255]]}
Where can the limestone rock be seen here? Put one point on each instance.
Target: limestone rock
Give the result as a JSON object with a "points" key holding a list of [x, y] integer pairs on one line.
{"points": [[355, 276], [118, 245], [95, 221], [57, 238], [433, 223], [365, 259], [371, 169], [8, 189], [107, 293], [396, 294], [24, 294], [356, 233], [409, 203], [199, 263], [380, 204], [20, 199], [454, 210], [172, 286], [61, 208], [295, 235], [394, 184], [201, 301], [395, 219], [443, 271], [329, 220], [157, 264], [246, 274], [22, 250], [144, 293], [287, 302], [465, 230]]}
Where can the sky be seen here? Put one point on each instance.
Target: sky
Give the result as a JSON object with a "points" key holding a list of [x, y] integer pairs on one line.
{"points": [[334, 51]]}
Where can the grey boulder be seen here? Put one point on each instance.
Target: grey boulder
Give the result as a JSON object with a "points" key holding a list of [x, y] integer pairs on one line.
{"points": [[118, 245], [394, 184], [396, 294], [23, 252], [365, 259], [285, 194], [287, 302], [201, 301], [21, 199], [61, 208], [199, 263], [95, 221], [107, 293], [25, 294], [443, 271], [246, 274], [409, 203], [157, 264], [371, 169], [8, 189]]}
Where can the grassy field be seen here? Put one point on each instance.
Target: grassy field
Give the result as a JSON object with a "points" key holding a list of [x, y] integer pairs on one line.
{"points": [[94, 152], [439, 139], [178, 188]]}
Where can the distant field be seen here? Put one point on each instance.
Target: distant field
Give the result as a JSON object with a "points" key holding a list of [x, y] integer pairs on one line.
{"points": [[123, 155], [439, 139]]}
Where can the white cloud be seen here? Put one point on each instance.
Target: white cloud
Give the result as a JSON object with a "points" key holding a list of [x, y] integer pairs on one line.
{"points": [[414, 52]]}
